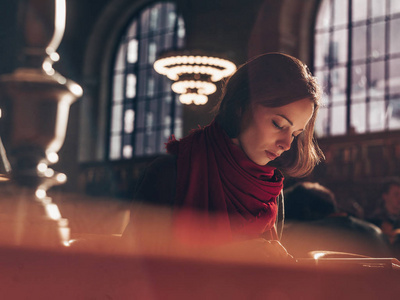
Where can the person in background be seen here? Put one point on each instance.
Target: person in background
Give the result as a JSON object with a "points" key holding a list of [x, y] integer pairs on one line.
{"points": [[314, 223], [223, 182], [387, 215]]}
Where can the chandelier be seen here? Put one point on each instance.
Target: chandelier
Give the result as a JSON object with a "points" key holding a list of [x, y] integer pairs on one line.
{"points": [[194, 76]]}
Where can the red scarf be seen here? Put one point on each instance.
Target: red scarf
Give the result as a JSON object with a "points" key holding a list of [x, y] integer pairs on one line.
{"points": [[222, 189]]}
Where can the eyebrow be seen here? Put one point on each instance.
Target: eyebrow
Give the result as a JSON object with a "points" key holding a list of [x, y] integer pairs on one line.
{"points": [[286, 118]]}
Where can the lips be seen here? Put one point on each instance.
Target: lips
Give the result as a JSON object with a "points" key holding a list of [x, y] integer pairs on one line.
{"points": [[271, 155]]}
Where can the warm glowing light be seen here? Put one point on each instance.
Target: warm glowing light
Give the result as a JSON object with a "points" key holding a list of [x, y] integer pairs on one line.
{"points": [[52, 211], [318, 255], [49, 173], [41, 167], [61, 177], [193, 98], [76, 89], [59, 26], [52, 157], [40, 193], [1, 113], [47, 67], [194, 75], [202, 87], [174, 66], [55, 56]]}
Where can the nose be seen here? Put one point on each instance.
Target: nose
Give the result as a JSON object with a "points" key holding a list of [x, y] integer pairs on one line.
{"points": [[285, 142]]}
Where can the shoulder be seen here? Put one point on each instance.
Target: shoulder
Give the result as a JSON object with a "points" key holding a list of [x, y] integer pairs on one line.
{"points": [[158, 181], [163, 166]]}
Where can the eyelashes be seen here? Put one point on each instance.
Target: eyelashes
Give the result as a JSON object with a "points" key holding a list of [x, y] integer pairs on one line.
{"points": [[276, 125], [281, 128]]}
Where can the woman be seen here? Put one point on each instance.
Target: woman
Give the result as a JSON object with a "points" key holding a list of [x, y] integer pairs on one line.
{"points": [[223, 180]]}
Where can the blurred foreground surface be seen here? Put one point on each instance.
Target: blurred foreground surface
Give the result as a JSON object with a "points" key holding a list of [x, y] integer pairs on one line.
{"points": [[41, 274], [147, 266]]}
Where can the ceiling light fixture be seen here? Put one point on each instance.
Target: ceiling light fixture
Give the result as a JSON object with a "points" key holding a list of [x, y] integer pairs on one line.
{"points": [[194, 76]]}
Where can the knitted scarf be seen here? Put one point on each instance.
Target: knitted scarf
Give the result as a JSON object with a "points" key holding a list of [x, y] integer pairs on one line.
{"points": [[219, 191]]}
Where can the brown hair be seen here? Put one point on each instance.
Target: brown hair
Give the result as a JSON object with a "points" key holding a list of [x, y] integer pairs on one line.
{"points": [[273, 80]]}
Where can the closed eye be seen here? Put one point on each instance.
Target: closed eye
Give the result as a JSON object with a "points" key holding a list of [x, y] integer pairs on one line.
{"points": [[276, 125]]}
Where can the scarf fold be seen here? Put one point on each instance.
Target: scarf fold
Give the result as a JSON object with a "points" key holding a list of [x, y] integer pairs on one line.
{"points": [[221, 190]]}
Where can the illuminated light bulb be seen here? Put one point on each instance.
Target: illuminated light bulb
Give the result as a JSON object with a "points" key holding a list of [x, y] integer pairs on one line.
{"points": [[55, 56], [47, 66], [52, 211], [50, 72], [61, 177], [193, 98], [40, 193], [62, 80], [52, 157], [49, 172], [76, 89], [41, 167]]}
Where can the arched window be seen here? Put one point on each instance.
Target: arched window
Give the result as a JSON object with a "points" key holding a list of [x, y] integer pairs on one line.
{"points": [[357, 61], [144, 110]]}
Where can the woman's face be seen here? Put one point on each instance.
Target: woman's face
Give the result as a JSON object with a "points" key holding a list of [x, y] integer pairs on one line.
{"points": [[267, 132]]}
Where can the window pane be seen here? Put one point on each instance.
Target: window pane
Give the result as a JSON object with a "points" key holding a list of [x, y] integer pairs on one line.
{"points": [[150, 147], [377, 39], [171, 18], [394, 76], [377, 81], [141, 112], [178, 132], [338, 120], [321, 124], [360, 13], [130, 85], [338, 85], [394, 114], [142, 82], [341, 12], [118, 88], [394, 6], [127, 151], [132, 30], [155, 17], [144, 21], [139, 143], [116, 120], [115, 147], [339, 46], [144, 52], [132, 51], [377, 116], [359, 82], [152, 52], [378, 8], [322, 78], [181, 33], [120, 60], [321, 49], [129, 121], [358, 117], [394, 36], [324, 15], [359, 47]]}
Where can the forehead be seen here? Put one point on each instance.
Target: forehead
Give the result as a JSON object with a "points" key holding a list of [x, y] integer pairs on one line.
{"points": [[298, 112]]}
